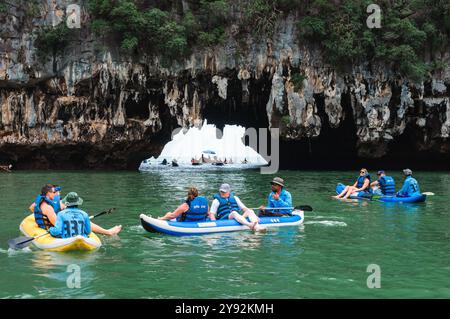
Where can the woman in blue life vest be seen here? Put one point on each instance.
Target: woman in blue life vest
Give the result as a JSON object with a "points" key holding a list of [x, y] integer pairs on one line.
{"points": [[360, 188], [46, 207], [410, 186], [72, 221], [384, 186], [194, 209], [227, 206]]}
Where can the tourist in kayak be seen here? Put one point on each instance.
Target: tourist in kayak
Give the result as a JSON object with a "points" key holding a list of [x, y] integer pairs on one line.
{"points": [[279, 197], [361, 186], [194, 209], [227, 206], [385, 185], [57, 204], [44, 212], [72, 221], [410, 186]]}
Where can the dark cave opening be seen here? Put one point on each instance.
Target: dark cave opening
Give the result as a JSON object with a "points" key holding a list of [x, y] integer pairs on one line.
{"points": [[240, 107], [333, 148], [137, 109]]}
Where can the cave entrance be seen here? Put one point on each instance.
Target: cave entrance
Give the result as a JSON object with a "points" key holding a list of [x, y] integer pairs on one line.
{"points": [[241, 107], [137, 109], [334, 148]]}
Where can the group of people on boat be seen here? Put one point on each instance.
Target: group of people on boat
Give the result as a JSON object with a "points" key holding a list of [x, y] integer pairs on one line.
{"points": [[227, 205], [62, 217], [383, 186]]}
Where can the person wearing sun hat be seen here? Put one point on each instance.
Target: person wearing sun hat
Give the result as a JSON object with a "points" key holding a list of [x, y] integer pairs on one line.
{"points": [[72, 221], [278, 198]]}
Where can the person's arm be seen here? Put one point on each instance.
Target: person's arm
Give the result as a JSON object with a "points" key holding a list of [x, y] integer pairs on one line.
{"points": [[213, 210], [177, 212], [240, 204], [286, 201], [404, 189], [31, 208], [374, 184], [48, 211], [56, 231], [365, 185], [211, 215]]}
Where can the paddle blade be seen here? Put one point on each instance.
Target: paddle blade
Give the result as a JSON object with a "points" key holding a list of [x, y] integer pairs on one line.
{"points": [[305, 208], [20, 242], [428, 193]]}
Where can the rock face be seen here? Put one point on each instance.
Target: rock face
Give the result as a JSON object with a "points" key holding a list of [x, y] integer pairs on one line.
{"points": [[105, 110]]}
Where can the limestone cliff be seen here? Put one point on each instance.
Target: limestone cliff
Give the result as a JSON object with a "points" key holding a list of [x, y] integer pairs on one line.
{"points": [[105, 110]]}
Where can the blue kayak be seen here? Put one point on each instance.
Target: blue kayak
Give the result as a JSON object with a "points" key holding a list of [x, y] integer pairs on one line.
{"points": [[389, 199], [213, 226]]}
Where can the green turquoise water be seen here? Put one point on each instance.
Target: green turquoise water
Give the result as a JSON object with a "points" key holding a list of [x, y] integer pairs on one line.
{"points": [[326, 257]]}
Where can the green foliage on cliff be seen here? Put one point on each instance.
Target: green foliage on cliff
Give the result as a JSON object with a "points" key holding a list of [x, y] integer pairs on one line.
{"points": [[408, 29], [159, 28], [51, 41], [297, 79], [3, 8]]}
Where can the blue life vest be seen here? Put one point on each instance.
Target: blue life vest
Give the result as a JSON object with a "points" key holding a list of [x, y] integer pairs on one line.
{"points": [[39, 217], [226, 206], [198, 210], [360, 183], [387, 185]]}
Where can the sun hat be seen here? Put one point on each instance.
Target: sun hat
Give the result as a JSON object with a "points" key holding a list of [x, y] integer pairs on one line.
{"points": [[278, 180], [225, 188], [72, 199]]}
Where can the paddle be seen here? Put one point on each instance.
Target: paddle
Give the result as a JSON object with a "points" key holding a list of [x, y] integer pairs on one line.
{"points": [[305, 208], [428, 193], [24, 241]]}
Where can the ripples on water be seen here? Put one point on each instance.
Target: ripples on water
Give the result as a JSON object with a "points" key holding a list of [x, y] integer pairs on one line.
{"points": [[326, 257]]}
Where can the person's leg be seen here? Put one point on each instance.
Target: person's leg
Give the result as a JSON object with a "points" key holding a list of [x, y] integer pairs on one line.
{"points": [[110, 232], [350, 191], [254, 219], [241, 219], [343, 192]]}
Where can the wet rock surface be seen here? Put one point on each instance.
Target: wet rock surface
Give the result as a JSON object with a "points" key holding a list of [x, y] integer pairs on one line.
{"points": [[105, 110]]}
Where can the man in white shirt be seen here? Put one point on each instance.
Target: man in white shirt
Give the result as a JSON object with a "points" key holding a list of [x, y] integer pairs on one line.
{"points": [[227, 206]]}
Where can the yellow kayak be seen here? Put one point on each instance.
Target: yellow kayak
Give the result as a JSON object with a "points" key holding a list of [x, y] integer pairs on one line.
{"points": [[29, 228]]}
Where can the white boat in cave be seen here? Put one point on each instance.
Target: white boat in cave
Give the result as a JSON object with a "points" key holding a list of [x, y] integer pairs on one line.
{"points": [[201, 148]]}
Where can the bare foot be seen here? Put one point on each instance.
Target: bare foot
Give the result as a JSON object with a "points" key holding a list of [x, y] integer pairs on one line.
{"points": [[253, 225], [115, 230], [260, 228]]}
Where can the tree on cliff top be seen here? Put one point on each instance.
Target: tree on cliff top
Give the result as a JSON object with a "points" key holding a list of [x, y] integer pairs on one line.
{"points": [[52, 41]]}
